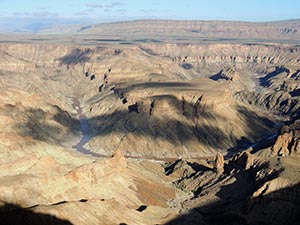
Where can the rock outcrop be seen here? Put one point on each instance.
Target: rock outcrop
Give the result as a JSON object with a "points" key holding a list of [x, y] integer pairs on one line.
{"points": [[79, 189], [288, 141], [250, 191], [244, 160], [180, 113], [189, 118], [219, 163]]}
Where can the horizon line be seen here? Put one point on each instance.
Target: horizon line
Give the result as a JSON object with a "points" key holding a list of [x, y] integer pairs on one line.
{"points": [[88, 19]]}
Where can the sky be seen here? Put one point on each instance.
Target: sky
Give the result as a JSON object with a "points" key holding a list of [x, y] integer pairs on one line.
{"points": [[118, 10]]}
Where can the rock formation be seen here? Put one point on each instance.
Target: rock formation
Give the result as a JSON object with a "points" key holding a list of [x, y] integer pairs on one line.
{"points": [[219, 163], [194, 150], [243, 160], [288, 142]]}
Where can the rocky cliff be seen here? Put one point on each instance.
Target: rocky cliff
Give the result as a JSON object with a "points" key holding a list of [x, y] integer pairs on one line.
{"points": [[196, 133]]}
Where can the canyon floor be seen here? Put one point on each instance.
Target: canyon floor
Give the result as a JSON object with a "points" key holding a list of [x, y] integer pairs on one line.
{"points": [[149, 132]]}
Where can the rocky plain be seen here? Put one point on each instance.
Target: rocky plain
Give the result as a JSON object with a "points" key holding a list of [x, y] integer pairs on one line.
{"points": [[116, 129]]}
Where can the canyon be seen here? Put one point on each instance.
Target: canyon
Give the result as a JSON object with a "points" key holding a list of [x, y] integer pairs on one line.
{"points": [[150, 132]]}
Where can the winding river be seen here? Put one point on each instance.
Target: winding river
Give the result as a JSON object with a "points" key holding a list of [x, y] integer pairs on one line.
{"points": [[87, 135], [85, 130]]}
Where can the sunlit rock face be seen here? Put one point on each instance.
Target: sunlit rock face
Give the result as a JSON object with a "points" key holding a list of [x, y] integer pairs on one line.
{"points": [[167, 128]]}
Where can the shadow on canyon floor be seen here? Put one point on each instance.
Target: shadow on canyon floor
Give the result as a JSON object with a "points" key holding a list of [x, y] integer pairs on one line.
{"points": [[46, 126], [40, 127], [76, 56], [266, 80], [155, 85], [295, 93], [54, 127], [255, 122], [11, 214]]}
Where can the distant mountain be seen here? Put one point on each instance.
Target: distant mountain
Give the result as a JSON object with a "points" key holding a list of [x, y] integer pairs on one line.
{"points": [[178, 30], [33, 25], [278, 30]]}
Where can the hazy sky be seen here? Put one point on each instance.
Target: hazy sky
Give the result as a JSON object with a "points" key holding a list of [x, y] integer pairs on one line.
{"points": [[107, 10]]}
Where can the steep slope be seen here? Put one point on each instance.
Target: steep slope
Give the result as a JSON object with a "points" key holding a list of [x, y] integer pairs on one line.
{"points": [[183, 94], [148, 105], [54, 181], [247, 189]]}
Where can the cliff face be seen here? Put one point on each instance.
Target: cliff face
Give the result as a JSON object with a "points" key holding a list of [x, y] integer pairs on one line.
{"points": [[154, 103], [247, 190], [287, 143], [182, 94], [210, 59], [279, 93]]}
